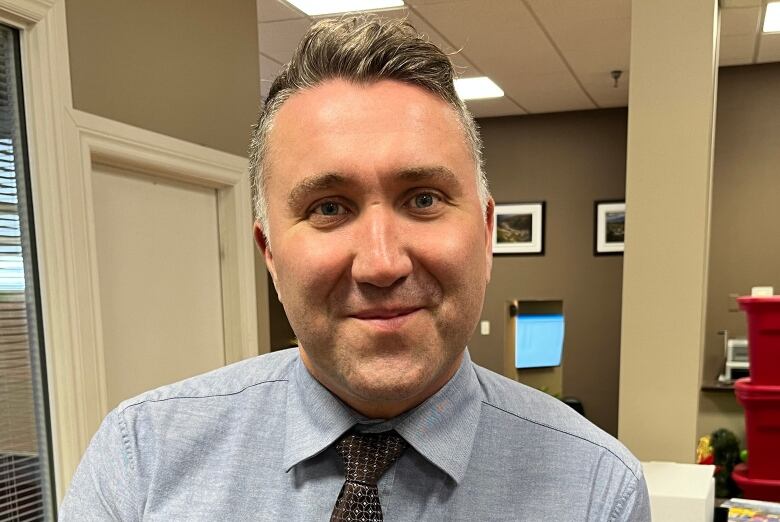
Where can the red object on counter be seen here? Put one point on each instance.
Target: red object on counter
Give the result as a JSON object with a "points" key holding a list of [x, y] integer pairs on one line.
{"points": [[762, 427], [757, 489], [763, 318]]}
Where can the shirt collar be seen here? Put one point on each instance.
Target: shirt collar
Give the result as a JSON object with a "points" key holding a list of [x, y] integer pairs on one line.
{"points": [[441, 429], [315, 417]]}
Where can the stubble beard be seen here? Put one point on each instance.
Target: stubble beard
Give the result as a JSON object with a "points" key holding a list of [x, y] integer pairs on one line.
{"points": [[392, 367], [389, 368]]}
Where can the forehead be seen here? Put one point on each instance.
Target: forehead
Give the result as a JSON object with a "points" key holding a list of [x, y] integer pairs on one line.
{"points": [[383, 125]]}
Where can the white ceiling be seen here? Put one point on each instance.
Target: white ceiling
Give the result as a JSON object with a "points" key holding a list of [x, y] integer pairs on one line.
{"points": [[547, 55]]}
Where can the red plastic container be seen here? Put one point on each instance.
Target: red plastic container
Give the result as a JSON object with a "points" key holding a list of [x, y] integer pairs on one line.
{"points": [[763, 317], [756, 489], [762, 427]]}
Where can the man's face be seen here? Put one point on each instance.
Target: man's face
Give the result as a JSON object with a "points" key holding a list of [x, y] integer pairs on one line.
{"points": [[379, 249]]}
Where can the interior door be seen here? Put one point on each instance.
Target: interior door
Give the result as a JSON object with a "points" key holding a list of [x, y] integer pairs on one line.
{"points": [[158, 258]]}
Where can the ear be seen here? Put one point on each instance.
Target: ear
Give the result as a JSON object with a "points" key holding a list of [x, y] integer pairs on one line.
{"points": [[265, 248], [489, 224]]}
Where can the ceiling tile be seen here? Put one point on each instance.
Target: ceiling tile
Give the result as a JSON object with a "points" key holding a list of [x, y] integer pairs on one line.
{"points": [[594, 38], [769, 48], [726, 4], [580, 10], [393, 12], [279, 39], [428, 2], [736, 50], [602, 88], [275, 10], [400, 12], [269, 69], [592, 46], [739, 21], [488, 33], [551, 92], [493, 107]]}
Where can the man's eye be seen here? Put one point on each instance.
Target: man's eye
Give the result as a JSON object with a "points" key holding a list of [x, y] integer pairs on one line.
{"points": [[424, 200], [329, 208]]}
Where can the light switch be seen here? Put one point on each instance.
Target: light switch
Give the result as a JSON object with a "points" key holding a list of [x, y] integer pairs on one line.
{"points": [[484, 327], [733, 304]]}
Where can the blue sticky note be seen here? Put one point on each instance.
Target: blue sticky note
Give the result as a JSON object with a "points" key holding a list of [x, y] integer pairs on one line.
{"points": [[538, 340]]}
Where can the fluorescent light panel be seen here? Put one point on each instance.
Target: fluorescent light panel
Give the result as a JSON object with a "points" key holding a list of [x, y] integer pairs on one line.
{"points": [[478, 88], [328, 7], [772, 18]]}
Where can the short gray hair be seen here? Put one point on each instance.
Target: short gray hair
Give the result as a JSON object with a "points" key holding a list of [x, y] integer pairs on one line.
{"points": [[360, 49]]}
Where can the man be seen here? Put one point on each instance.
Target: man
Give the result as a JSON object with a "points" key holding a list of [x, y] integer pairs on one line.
{"points": [[375, 221]]}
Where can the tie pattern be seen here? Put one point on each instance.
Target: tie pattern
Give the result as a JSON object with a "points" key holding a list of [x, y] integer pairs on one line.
{"points": [[366, 457]]}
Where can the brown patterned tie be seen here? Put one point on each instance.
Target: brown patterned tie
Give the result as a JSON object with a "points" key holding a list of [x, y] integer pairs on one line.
{"points": [[366, 457]]}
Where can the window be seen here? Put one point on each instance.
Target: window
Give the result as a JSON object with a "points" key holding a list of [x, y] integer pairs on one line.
{"points": [[25, 441]]}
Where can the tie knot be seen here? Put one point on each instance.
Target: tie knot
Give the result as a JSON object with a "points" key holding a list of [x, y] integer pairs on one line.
{"points": [[367, 456]]}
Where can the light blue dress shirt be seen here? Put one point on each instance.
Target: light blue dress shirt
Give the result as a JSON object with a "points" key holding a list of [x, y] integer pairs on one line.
{"points": [[253, 441]]}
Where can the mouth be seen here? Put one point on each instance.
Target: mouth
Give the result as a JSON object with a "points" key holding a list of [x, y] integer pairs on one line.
{"points": [[386, 318]]}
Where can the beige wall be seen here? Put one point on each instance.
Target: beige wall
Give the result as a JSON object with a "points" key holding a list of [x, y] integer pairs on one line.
{"points": [[745, 245], [282, 335], [185, 69], [568, 160], [181, 68], [720, 409], [668, 178]]}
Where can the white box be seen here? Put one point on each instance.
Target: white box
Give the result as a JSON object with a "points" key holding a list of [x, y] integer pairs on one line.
{"points": [[680, 492]]}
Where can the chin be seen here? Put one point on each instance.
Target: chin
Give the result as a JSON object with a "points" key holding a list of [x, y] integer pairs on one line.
{"points": [[386, 388], [391, 374], [392, 380]]}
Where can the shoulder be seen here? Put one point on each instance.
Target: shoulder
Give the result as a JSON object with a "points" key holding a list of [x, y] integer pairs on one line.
{"points": [[165, 435], [179, 418], [265, 371], [527, 409]]}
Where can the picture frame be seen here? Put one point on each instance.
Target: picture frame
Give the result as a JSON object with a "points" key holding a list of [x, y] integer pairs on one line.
{"points": [[610, 227], [518, 228]]}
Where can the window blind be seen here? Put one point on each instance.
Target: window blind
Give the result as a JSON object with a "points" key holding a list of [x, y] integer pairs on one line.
{"points": [[25, 478]]}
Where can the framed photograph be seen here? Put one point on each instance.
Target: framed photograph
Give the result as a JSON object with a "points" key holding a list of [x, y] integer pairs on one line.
{"points": [[610, 227], [519, 229]]}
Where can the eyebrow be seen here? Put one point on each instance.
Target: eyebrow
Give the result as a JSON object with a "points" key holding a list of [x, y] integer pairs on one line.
{"points": [[314, 183], [435, 173], [330, 180]]}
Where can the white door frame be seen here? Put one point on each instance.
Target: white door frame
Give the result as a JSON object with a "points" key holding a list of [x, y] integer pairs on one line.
{"points": [[64, 144]]}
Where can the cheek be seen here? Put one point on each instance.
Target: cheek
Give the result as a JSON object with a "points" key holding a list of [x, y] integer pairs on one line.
{"points": [[451, 253], [308, 267]]}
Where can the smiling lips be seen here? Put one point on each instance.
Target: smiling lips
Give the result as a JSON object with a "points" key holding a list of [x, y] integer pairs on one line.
{"points": [[386, 318]]}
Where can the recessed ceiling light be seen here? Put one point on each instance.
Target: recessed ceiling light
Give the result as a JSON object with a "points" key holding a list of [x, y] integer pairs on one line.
{"points": [[323, 7], [478, 88], [772, 18]]}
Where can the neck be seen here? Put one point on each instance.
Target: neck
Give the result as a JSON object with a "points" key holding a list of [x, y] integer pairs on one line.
{"points": [[381, 408]]}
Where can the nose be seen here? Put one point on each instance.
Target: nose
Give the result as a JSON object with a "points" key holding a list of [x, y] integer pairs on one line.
{"points": [[381, 254]]}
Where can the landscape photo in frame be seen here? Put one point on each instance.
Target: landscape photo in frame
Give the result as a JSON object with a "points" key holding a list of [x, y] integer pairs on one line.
{"points": [[610, 224], [519, 228]]}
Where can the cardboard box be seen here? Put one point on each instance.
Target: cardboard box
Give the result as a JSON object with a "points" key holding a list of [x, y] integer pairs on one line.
{"points": [[680, 492]]}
